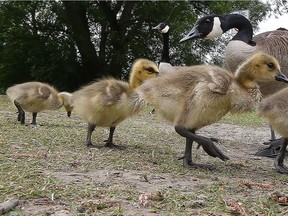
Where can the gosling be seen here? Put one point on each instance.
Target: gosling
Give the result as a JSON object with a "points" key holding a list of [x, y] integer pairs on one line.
{"points": [[36, 97], [107, 102], [200, 95], [274, 108]]}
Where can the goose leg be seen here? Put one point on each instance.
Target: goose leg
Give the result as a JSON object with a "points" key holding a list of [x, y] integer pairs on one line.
{"points": [[21, 113], [278, 163], [207, 144], [109, 143], [34, 115], [91, 128]]}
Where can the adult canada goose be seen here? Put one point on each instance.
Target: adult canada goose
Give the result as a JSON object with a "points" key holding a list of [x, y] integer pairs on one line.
{"points": [[35, 97], [201, 95], [243, 46], [165, 66], [108, 102], [275, 109]]}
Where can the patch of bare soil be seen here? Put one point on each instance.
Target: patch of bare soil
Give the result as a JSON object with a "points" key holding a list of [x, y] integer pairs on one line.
{"points": [[238, 142]]}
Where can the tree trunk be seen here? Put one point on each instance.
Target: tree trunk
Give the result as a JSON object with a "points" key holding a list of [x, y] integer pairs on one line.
{"points": [[76, 13]]}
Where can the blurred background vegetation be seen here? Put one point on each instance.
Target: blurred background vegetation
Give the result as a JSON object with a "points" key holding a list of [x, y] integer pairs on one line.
{"points": [[71, 43]]}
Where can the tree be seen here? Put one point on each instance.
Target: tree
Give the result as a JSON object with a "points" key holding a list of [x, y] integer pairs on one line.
{"points": [[71, 43]]}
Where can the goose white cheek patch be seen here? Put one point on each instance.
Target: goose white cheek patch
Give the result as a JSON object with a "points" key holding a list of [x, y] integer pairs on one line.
{"points": [[165, 30], [216, 30]]}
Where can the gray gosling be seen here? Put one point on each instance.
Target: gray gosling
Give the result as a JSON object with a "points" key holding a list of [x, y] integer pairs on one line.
{"points": [[275, 109], [36, 97], [200, 95]]}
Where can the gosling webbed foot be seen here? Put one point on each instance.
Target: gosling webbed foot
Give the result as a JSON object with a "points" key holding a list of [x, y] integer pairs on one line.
{"points": [[272, 150], [90, 145], [280, 167], [113, 146], [211, 149], [189, 164], [278, 163]]}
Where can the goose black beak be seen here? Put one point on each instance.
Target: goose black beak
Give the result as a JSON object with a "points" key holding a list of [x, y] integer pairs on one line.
{"points": [[69, 113], [194, 33], [158, 27], [281, 77]]}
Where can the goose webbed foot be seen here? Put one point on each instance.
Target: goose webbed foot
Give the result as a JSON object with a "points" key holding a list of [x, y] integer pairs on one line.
{"points": [[273, 149], [113, 146]]}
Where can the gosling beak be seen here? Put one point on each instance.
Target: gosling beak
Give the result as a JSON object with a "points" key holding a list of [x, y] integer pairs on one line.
{"points": [[281, 77], [69, 113], [194, 33]]}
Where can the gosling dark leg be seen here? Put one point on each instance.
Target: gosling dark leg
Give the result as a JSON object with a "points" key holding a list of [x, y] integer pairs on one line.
{"points": [[187, 160], [21, 113], [34, 115], [91, 128], [109, 143], [207, 144], [273, 136], [278, 163]]}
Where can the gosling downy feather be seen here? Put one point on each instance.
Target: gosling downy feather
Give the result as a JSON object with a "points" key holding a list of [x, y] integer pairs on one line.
{"points": [[107, 102], [35, 97], [275, 109], [198, 96]]}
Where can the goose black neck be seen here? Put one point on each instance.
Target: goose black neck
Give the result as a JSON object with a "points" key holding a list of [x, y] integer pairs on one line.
{"points": [[165, 52], [243, 26]]}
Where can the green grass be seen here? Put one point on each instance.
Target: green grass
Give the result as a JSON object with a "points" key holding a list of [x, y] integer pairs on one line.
{"points": [[246, 119], [48, 168]]}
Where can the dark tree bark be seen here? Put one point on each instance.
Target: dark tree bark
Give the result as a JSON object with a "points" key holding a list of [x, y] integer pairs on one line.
{"points": [[76, 13], [118, 33]]}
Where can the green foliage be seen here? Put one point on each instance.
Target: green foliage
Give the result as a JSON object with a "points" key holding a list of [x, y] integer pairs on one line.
{"points": [[72, 43]]}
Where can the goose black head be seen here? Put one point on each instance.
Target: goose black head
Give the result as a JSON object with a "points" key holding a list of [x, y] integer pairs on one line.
{"points": [[162, 27], [207, 27]]}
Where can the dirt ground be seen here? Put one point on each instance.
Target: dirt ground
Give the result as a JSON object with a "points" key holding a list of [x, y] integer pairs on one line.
{"points": [[249, 138], [144, 179]]}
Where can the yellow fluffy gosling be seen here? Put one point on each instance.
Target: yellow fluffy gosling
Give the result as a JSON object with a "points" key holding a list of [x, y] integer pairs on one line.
{"points": [[35, 97], [108, 102], [201, 95], [275, 109]]}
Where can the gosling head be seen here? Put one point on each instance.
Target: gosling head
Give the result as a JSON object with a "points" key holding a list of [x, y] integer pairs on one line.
{"points": [[67, 103], [142, 70], [263, 67], [162, 27], [206, 27]]}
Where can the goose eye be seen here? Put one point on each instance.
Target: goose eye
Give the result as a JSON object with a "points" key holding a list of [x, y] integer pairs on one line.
{"points": [[271, 66], [150, 70]]}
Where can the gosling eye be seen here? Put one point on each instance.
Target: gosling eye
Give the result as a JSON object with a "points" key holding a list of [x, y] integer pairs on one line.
{"points": [[271, 66], [150, 70]]}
